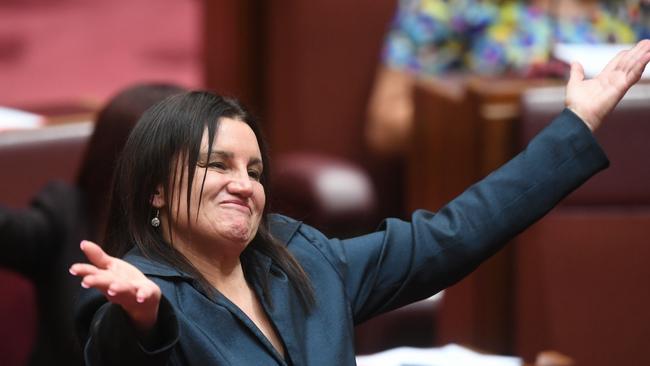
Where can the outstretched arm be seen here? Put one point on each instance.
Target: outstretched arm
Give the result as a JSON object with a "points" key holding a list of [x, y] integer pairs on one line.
{"points": [[593, 99], [407, 261]]}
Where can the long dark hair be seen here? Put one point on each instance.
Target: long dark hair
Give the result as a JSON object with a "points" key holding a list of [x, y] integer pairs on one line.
{"points": [[168, 133], [112, 127]]}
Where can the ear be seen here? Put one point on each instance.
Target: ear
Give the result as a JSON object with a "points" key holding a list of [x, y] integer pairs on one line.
{"points": [[158, 197]]}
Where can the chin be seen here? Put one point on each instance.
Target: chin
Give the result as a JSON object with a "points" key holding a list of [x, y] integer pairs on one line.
{"points": [[237, 229], [240, 234]]}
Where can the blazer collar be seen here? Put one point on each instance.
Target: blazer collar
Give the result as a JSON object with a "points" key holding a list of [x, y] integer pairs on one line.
{"points": [[282, 227], [152, 267]]}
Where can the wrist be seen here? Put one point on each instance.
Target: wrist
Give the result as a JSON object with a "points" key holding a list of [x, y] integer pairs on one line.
{"points": [[591, 121], [145, 318]]}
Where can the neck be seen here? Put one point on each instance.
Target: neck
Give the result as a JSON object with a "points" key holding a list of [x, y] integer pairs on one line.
{"points": [[226, 274], [214, 262], [218, 263]]}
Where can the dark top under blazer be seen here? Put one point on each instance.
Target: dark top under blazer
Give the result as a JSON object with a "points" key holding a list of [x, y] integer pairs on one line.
{"points": [[354, 279]]}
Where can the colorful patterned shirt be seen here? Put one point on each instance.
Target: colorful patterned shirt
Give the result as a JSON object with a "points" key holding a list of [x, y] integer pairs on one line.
{"points": [[481, 36]]}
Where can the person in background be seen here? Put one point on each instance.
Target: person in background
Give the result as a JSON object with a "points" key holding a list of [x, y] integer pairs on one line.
{"points": [[485, 37], [195, 272], [41, 241]]}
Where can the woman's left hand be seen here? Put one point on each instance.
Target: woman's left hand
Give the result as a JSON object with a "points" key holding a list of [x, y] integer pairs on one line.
{"points": [[593, 99]]}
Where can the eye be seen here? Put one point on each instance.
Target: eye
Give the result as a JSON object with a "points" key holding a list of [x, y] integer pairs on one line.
{"points": [[217, 165], [255, 175]]}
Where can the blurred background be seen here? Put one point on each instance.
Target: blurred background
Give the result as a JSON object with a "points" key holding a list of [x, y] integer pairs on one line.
{"points": [[67, 51], [305, 69], [576, 282]]}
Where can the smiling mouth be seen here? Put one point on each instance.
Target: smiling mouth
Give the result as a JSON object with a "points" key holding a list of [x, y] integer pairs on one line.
{"points": [[238, 205]]}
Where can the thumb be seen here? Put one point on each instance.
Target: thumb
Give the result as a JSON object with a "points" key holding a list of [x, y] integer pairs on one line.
{"points": [[95, 254], [576, 74]]}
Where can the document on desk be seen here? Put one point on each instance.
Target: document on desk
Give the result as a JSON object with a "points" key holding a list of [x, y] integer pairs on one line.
{"points": [[449, 355], [592, 57], [12, 119]]}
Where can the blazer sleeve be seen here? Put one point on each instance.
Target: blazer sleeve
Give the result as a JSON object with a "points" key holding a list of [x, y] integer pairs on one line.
{"points": [[407, 261], [108, 336]]}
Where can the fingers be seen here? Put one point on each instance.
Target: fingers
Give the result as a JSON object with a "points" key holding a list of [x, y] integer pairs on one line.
{"points": [[138, 289], [146, 292], [614, 64], [577, 73], [100, 280], [631, 62], [82, 269], [637, 52], [95, 254], [121, 291], [122, 284], [638, 58]]}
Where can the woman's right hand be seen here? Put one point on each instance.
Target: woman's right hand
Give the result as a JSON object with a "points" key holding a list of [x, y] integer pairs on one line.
{"points": [[121, 283]]}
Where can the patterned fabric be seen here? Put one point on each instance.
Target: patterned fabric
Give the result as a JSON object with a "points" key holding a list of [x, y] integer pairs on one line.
{"points": [[495, 37]]}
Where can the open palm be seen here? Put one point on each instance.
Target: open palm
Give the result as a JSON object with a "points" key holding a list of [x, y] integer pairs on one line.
{"points": [[121, 283], [593, 99]]}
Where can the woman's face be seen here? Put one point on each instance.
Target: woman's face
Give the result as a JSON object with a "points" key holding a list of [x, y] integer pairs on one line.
{"points": [[233, 198]]}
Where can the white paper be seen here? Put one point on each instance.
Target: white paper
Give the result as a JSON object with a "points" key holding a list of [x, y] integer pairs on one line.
{"points": [[592, 57], [11, 119], [449, 355]]}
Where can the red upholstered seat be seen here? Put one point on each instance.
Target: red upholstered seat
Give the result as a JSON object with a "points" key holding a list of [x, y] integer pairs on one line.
{"points": [[18, 318], [334, 195]]}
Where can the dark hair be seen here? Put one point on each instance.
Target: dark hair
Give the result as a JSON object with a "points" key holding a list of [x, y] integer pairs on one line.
{"points": [[168, 133], [112, 127]]}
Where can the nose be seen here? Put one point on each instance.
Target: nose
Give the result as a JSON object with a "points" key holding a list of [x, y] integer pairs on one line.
{"points": [[240, 184]]}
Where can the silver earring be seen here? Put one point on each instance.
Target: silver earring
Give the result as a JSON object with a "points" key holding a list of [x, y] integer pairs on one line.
{"points": [[155, 222]]}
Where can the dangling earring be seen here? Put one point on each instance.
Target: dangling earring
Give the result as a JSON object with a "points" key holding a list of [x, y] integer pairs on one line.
{"points": [[155, 222]]}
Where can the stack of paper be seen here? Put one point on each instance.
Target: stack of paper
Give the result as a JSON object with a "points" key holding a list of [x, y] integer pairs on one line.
{"points": [[592, 57], [450, 355], [11, 119]]}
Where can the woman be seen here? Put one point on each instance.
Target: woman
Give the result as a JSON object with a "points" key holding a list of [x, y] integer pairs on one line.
{"points": [[208, 278], [40, 242]]}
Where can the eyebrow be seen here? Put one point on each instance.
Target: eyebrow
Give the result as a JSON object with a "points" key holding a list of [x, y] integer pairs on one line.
{"points": [[228, 155]]}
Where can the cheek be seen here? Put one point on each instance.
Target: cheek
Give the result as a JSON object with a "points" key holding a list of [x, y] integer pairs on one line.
{"points": [[179, 204], [260, 198]]}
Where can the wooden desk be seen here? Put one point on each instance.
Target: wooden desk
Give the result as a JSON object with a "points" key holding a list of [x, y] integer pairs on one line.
{"points": [[62, 139], [464, 128]]}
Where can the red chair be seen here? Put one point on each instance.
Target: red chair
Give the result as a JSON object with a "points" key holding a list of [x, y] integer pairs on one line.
{"points": [[18, 312]]}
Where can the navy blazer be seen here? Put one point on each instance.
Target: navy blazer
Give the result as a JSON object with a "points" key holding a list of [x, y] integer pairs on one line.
{"points": [[354, 279]]}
